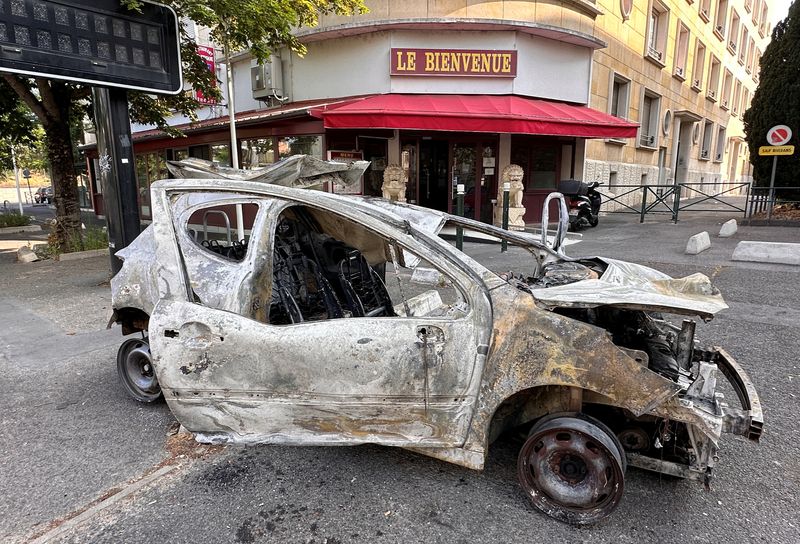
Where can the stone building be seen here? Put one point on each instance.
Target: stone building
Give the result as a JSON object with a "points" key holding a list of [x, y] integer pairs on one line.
{"points": [[685, 71]]}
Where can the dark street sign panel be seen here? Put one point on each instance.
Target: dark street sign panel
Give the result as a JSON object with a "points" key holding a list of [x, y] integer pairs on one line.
{"points": [[93, 42]]}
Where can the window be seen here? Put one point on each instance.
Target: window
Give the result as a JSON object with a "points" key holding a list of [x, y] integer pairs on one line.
{"points": [[713, 79], [708, 135], [750, 53], [762, 25], [220, 154], [300, 145], [727, 84], [748, 5], [743, 46], [213, 228], [756, 11], [720, 144], [612, 180], [625, 7], [734, 32], [705, 9], [720, 19], [257, 152], [657, 31], [745, 99], [737, 91], [699, 65], [620, 96], [328, 267], [150, 167], [681, 51], [648, 119]]}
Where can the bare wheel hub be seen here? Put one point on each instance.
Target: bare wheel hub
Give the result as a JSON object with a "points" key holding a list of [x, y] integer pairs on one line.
{"points": [[135, 370], [572, 468]]}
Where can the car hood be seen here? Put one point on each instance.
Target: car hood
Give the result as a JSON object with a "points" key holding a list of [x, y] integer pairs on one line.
{"points": [[634, 286]]}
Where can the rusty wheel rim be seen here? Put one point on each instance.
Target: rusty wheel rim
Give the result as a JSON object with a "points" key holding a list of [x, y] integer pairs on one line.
{"points": [[572, 470]]}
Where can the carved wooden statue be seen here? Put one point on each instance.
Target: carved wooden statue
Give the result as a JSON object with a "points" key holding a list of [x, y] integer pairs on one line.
{"points": [[394, 183]]}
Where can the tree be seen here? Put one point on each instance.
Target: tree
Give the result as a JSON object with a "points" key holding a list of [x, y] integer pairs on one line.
{"points": [[777, 102], [257, 25]]}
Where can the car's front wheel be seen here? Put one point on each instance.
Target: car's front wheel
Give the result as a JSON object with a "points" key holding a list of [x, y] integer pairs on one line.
{"points": [[135, 370], [572, 468]]}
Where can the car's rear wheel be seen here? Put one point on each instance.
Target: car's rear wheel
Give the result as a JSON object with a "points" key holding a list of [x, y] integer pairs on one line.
{"points": [[572, 469], [135, 370]]}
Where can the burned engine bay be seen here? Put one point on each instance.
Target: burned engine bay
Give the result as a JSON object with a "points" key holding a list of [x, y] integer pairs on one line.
{"points": [[666, 347]]}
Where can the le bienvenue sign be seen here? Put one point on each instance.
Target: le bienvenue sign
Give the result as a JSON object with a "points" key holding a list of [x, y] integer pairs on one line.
{"points": [[453, 62]]}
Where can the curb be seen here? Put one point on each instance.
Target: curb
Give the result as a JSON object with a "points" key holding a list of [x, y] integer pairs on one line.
{"points": [[14, 230], [78, 255]]}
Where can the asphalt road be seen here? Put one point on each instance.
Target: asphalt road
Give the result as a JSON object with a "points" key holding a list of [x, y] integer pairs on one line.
{"points": [[69, 436]]}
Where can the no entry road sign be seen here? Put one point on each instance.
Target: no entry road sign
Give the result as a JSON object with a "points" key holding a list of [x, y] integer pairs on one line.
{"points": [[779, 135]]}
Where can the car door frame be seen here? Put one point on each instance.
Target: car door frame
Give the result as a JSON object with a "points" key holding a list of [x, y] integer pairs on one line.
{"points": [[446, 428]]}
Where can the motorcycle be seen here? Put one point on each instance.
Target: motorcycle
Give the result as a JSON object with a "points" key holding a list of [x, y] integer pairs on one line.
{"points": [[583, 202]]}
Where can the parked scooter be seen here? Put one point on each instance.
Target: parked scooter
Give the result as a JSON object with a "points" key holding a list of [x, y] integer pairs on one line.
{"points": [[583, 202]]}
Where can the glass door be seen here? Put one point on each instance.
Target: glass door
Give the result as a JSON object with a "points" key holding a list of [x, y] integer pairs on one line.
{"points": [[464, 170]]}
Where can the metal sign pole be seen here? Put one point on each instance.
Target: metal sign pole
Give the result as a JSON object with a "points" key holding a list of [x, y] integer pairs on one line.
{"points": [[117, 170], [772, 188], [16, 178]]}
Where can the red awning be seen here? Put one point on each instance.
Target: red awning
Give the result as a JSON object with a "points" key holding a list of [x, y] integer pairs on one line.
{"points": [[474, 113]]}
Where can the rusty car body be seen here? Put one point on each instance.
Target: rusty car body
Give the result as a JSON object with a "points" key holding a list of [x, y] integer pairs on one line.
{"points": [[349, 320]]}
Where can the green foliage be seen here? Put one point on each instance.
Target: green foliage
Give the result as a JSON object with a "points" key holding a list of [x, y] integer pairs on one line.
{"points": [[92, 238], [777, 102], [14, 220]]}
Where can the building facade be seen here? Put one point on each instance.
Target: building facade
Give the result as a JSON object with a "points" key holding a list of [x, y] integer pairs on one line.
{"points": [[455, 90], [685, 71]]}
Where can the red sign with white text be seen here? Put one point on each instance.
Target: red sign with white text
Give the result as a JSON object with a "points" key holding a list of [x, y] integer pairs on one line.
{"points": [[453, 62], [208, 55]]}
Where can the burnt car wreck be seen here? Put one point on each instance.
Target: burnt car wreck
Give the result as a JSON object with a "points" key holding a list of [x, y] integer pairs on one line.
{"points": [[349, 320]]}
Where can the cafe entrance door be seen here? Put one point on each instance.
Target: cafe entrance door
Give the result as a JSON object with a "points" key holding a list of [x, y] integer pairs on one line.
{"points": [[437, 165]]}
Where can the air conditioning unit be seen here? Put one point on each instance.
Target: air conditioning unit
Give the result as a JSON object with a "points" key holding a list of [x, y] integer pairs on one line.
{"points": [[712, 93], [718, 157], [732, 45], [679, 71], [697, 83], [704, 154], [648, 139], [719, 29], [267, 79], [655, 53]]}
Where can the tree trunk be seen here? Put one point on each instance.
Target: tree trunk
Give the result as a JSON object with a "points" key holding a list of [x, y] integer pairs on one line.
{"points": [[62, 168]]}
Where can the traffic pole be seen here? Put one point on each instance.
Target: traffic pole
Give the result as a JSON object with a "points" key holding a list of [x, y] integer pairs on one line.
{"points": [[460, 212], [16, 178], [506, 193], [772, 188]]}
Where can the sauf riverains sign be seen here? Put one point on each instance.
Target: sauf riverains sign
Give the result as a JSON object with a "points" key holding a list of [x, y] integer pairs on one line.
{"points": [[453, 62]]}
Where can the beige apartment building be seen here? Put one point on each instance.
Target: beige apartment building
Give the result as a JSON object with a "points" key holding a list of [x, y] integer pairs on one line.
{"points": [[685, 70]]}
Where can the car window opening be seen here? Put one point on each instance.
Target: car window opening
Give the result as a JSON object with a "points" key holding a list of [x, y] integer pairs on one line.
{"points": [[327, 267]]}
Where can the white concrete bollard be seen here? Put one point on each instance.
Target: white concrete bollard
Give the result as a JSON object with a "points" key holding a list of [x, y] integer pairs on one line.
{"points": [[728, 228], [697, 243], [26, 255]]}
